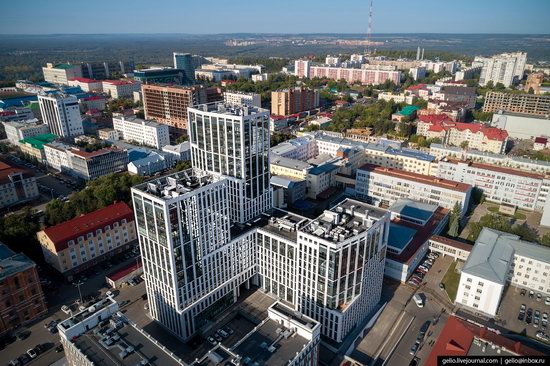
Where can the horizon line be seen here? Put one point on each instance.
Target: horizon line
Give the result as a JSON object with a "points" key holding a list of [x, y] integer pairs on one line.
{"points": [[267, 33]]}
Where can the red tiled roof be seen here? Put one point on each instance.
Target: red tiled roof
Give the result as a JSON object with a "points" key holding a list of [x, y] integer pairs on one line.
{"points": [[440, 122], [124, 271], [85, 80], [60, 234], [6, 170], [419, 178], [541, 140], [434, 118], [458, 335], [416, 87], [94, 97]]}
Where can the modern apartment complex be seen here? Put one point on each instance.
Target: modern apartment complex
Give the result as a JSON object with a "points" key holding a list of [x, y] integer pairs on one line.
{"points": [[145, 132], [294, 100], [82, 242], [16, 185], [503, 185], [496, 260], [16, 131], [61, 113], [208, 232], [241, 98], [184, 61], [476, 135], [506, 68], [233, 141], [167, 104], [61, 73], [160, 75], [21, 296], [384, 186], [538, 105]]}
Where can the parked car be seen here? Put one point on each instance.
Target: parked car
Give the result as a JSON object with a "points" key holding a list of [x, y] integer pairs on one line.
{"points": [[547, 300], [521, 316], [523, 292], [539, 297], [218, 337], [59, 348], [531, 293], [222, 333], [109, 294], [522, 307], [414, 348], [24, 359], [32, 353], [228, 330], [65, 309], [212, 341], [540, 335], [441, 285]]}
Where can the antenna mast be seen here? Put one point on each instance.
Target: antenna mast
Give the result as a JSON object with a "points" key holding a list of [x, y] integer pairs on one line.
{"points": [[369, 32]]}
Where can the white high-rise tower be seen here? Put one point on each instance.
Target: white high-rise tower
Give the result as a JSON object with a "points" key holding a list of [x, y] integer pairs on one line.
{"points": [[61, 113]]}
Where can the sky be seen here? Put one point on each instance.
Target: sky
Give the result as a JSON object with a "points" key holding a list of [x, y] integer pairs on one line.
{"points": [[274, 16]]}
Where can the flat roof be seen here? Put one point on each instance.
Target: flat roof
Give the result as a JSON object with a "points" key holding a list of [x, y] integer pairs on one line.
{"points": [[172, 185], [418, 178], [282, 223], [413, 209], [39, 141], [288, 163], [451, 242], [221, 107], [496, 168], [255, 346], [12, 263], [399, 236]]}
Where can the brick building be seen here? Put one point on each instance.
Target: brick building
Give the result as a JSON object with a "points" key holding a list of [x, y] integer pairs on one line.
{"points": [[21, 296]]}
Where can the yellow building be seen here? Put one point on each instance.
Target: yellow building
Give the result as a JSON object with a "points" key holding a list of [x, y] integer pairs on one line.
{"points": [[288, 167], [82, 242], [34, 146]]}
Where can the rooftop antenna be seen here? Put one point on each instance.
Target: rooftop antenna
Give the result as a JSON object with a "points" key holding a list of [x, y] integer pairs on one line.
{"points": [[369, 31]]}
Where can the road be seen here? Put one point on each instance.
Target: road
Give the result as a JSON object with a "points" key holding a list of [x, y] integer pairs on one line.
{"points": [[67, 294]]}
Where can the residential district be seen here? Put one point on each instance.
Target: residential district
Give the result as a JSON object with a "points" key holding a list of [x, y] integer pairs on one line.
{"points": [[356, 210]]}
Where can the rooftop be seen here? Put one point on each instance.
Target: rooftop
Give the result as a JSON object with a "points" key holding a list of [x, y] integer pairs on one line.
{"points": [[282, 223], [322, 169], [85, 80], [345, 220], [400, 236], [419, 178], [39, 141], [140, 121], [92, 154], [289, 163], [413, 210], [229, 109], [60, 234], [173, 185], [12, 263], [462, 338], [496, 168]]}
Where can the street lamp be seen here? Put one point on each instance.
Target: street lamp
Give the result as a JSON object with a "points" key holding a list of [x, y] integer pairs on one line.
{"points": [[77, 285]]}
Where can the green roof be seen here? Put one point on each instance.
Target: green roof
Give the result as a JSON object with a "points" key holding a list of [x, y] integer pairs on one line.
{"points": [[64, 66], [408, 110], [38, 141]]}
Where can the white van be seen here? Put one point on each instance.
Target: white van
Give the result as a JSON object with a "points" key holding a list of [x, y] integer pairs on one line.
{"points": [[418, 300]]}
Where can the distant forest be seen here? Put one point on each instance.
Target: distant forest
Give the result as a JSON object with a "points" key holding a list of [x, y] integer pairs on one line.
{"points": [[22, 57]]}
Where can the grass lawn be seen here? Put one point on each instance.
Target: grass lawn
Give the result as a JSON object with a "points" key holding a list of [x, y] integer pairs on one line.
{"points": [[451, 280], [518, 215]]}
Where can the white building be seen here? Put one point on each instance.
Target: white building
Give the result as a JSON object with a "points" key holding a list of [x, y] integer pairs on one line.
{"points": [[145, 132], [16, 131], [88, 85], [16, 185], [245, 131], [384, 186], [151, 164], [61, 73], [506, 68], [57, 156], [502, 185], [498, 259], [332, 61], [259, 77], [61, 113], [397, 98], [417, 72], [121, 88], [522, 126], [241, 98], [180, 151], [467, 73]]}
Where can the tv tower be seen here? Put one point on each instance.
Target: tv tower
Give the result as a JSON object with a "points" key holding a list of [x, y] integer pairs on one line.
{"points": [[369, 31]]}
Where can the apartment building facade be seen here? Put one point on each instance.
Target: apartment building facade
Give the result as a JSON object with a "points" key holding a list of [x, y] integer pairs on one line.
{"points": [[241, 98], [82, 242], [16, 131], [506, 68], [61, 113], [502, 185], [92, 165], [21, 297], [120, 88], [294, 100], [61, 73], [530, 104], [145, 132], [16, 185]]}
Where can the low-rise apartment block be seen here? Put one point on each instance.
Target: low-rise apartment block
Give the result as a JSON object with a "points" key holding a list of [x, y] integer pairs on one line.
{"points": [[120, 88], [34, 146], [496, 260], [88, 85], [16, 185], [365, 76], [82, 242], [397, 98], [384, 186], [241, 98], [61, 73], [16, 131], [144, 132], [21, 297]]}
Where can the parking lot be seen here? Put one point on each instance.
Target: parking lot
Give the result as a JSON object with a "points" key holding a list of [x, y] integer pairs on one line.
{"points": [[510, 309]]}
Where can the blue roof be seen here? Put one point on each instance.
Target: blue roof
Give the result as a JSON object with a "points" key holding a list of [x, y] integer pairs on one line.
{"points": [[325, 168], [399, 236], [135, 154], [416, 210], [17, 102]]}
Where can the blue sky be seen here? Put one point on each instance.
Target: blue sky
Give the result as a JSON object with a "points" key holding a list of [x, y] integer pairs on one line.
{"points": [[273, 16]]}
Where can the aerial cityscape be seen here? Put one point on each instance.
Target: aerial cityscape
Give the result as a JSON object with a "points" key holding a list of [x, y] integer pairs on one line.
{"points": [[274, 184]]}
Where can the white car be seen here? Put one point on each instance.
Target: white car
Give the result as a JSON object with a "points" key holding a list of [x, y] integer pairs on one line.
{"points": [[547, 300], [109, 294], [65, 309], [31, 353], [540, 335]]}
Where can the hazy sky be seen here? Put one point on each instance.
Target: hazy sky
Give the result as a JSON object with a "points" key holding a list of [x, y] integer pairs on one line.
{"points": [[273, 16]]}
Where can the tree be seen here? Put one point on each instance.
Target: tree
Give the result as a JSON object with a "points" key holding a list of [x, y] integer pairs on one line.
{"points": [[464, 145], [454, 221], [182, 165], [18, 231], [182, 138], [531, 90], [545, 240]]}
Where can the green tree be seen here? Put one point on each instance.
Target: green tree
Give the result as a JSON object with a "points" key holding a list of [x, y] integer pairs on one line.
{"points": [[18, 231], [182, 138], [464, 145], [182, 165], [531, 91], [545, 240], [454, 221]]}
